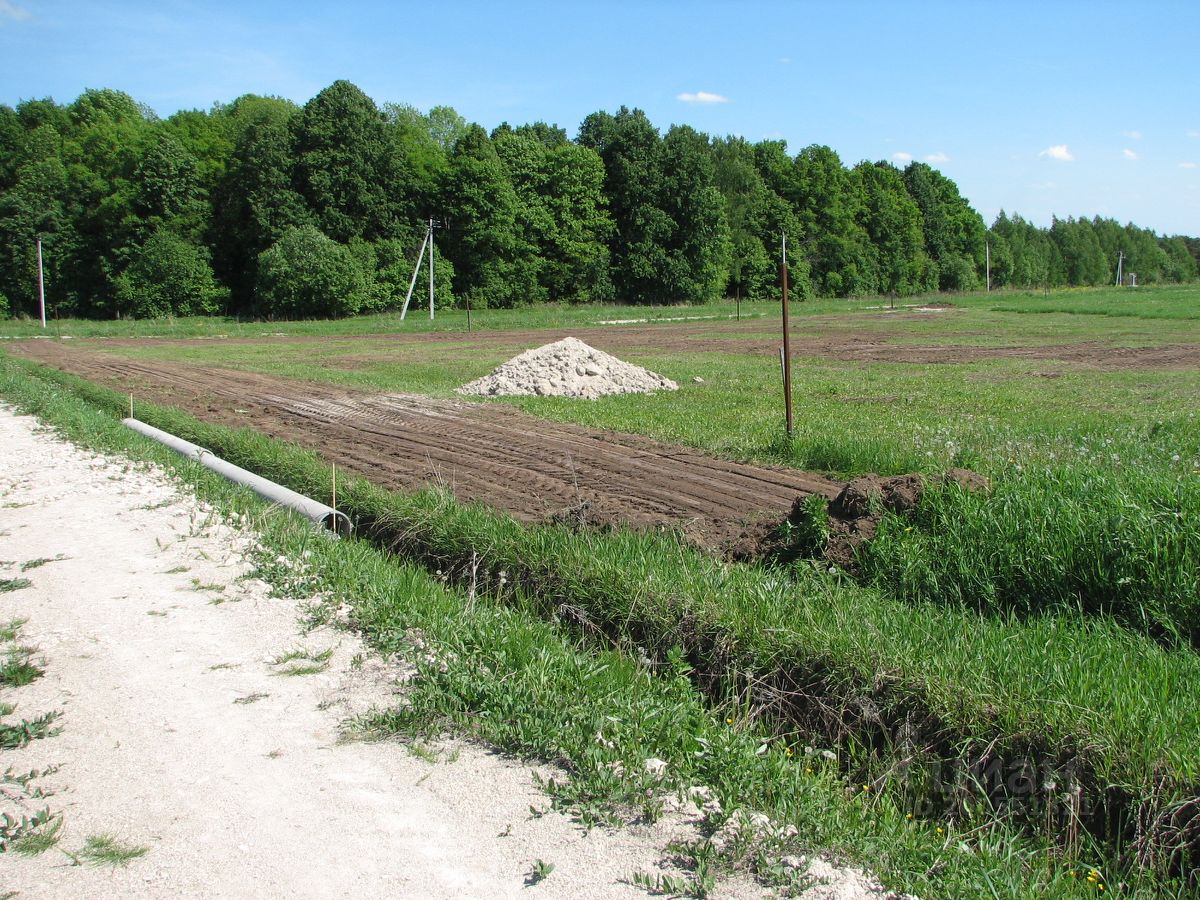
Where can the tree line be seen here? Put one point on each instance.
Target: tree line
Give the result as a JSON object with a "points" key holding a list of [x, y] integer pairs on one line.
{"points": [[265, 208]]}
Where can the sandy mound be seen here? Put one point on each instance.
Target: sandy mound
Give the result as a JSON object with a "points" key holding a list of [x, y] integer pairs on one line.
{"points": [[567, 368]]}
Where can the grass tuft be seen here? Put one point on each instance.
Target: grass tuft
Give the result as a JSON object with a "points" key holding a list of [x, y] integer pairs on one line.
{"points": [[108, 850], [300, 661], [38, 841]]}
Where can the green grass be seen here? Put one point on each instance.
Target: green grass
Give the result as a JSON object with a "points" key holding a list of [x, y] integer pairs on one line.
{"points": [[301, 661], [1086, 703], [9, 630], [1177, 303], [38, 563], [8, 585], [14, 735], [17, 667], [1031, 679], [108, 850], [38, 841], [541, 316]]}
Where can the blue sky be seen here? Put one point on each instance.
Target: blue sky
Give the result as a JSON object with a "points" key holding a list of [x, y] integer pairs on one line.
{"points": [[1053, 107]]}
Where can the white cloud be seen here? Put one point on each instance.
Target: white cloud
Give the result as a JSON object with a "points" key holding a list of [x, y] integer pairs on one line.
{"points": [[9, 10], [1188, 165], [1133, 135], [901, 156], [698, 97], [785, 59], [1129, 154], [1044, 186], [938, 157], [1193, 133], [1059, 152]]}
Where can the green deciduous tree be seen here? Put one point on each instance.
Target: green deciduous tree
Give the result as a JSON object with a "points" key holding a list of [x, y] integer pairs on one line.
{"points": [[1082, 258], [561, 209], [346, 166], [892, 221], [495, 262], [828, 203], [36, 205], [671, 239], [758, 217], [953, 232], [698, 245], [254, 203]]}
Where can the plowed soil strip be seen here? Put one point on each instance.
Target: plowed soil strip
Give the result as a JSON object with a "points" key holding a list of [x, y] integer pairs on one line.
{"points": [[491, 454]]}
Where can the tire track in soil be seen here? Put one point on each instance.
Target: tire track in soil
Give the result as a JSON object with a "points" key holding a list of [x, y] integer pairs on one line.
{"points": [[499, 456]]}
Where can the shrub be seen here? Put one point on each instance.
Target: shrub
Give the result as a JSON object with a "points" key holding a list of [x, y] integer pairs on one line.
{"points": [[307, 275], [958, 273], [169, 275]]}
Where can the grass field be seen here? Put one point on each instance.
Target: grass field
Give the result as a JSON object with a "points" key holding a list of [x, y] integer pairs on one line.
{"points": [[1051, 621]]}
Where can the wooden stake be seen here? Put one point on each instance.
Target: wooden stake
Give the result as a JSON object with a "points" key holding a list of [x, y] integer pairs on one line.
{"points": [[787, 343], [333, 468], [131, 406]]}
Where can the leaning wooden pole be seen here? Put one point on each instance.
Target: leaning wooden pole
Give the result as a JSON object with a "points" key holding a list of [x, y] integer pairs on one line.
{"points": [[412, 284]]}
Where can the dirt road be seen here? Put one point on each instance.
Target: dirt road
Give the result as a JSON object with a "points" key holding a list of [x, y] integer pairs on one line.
{"points": [[496, 455], [178, 735], [182, 742]]}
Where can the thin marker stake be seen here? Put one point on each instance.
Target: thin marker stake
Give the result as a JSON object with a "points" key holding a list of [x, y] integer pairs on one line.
{"points": [[333, 469], [787, 344]]}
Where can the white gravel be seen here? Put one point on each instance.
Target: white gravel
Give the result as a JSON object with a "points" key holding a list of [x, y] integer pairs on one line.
{"points": [[567, 368]]}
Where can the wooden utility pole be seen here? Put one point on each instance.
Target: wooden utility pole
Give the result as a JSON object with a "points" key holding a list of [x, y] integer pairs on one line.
{"points": [[787, 342], [41, 283], [987, 249], [1120, 264]]}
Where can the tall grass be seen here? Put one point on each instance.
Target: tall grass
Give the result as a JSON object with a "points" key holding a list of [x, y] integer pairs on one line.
{"points": [[1123, 544]]}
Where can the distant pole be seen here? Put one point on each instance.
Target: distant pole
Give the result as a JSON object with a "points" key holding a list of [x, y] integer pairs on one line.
{"points": [[987, 249], [787, 344], [1120, 263], [431, 270], [41, 283]]}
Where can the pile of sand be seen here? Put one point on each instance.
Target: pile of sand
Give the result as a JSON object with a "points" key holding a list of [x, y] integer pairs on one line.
{"points": [[567, 368]]}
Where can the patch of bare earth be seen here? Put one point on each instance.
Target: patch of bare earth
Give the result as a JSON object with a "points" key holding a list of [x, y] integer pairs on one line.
{"points": [[534, 470], [179, 735]]}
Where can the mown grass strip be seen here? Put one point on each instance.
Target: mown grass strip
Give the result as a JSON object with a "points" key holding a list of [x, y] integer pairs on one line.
{"points": [[1069, 724], [491, 668]]}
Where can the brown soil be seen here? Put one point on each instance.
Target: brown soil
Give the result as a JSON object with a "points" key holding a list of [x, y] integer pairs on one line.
{"points": [[534, 470], [748, 337], [855, 513]]}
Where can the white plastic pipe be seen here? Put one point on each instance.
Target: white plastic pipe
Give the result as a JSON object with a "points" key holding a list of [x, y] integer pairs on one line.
{"points": [[325, 516]]}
